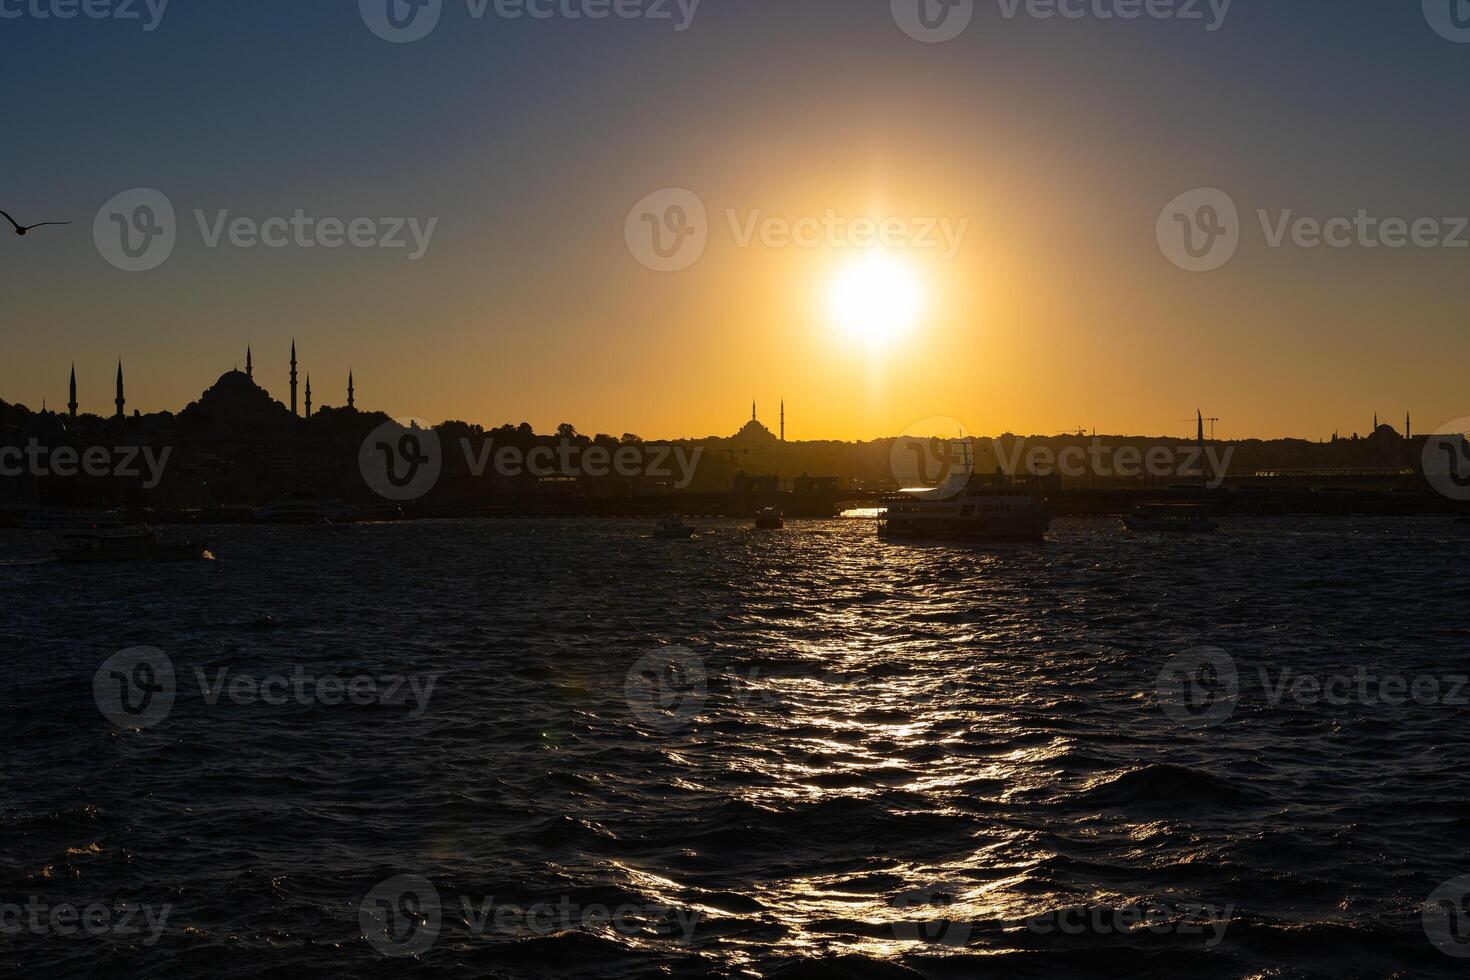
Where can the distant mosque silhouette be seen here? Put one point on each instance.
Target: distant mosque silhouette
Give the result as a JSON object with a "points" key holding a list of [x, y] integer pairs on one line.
{"points": [[755, 430], [236, 391]]}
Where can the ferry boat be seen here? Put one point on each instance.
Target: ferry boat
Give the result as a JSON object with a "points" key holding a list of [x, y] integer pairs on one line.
{"points": [[1170, 519], [127, 546], [769, 519], [967, 508], [673, 527]]}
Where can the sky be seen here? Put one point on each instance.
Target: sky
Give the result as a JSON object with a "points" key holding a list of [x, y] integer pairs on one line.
{"points": [[533, 144]]}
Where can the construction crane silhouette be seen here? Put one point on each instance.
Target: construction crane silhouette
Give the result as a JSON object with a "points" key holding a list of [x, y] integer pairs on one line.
{"points": [[1203, 418]]}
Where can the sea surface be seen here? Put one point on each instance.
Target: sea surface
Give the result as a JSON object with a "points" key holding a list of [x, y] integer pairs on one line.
{"points": [[566, 749]]}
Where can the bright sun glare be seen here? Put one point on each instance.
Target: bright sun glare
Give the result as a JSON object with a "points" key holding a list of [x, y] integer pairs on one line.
{"points": [[875, 299]]}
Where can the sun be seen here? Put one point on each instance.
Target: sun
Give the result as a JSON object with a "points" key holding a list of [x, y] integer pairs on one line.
{"points": [[875, 299]]}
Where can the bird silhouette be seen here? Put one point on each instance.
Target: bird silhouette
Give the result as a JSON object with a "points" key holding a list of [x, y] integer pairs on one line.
{"points": [[21, 229]]}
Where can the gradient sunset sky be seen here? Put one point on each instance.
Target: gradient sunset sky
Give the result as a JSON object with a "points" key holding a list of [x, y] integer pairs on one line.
{"points": [[1059, 141]]}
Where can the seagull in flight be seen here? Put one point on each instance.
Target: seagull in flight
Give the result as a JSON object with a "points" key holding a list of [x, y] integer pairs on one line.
{"points": [[21, 229]]}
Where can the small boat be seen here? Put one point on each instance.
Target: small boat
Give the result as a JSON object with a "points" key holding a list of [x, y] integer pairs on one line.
{"points": [[305, 511], [127, 546], [58, 519], [769, 519], [673, 527], [1170, 519]]}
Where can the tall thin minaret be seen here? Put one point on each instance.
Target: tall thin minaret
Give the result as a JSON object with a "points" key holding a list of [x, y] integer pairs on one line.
{"points": [[71, 406], [121, 401], [783, 420], [752, 409], [249, 367], [1408, 425], [351, 392], [308, 396], [293, 377]]}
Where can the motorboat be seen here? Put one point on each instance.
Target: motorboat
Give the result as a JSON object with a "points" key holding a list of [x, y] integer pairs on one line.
{"points": [[672, 528], [127, 546], [769, 519]]}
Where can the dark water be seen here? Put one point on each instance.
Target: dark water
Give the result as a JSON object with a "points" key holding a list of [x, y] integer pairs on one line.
{"points": [[834, 757]]}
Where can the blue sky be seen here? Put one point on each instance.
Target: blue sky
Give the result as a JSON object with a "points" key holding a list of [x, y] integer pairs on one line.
{"points": [[529, 140]]}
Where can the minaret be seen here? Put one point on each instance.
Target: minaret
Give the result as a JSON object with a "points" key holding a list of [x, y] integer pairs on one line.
{"points": [[308, 396], [752, 409], [783, 420], [71, 406], [293, 378], [249, 367], [121, 401], [351, 393], [1408, 425]]}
